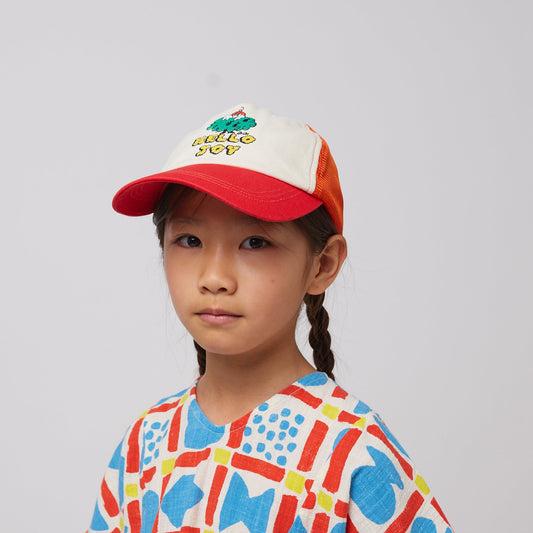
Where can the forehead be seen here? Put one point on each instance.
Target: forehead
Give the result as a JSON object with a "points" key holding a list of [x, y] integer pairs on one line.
{"points": [[190, 205]]}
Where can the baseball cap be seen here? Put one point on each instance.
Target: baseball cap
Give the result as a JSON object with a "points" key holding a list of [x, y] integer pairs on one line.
{"points": [[270, 167]]}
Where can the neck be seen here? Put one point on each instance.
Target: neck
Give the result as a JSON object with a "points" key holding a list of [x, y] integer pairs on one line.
{"points": [[234, 385]]}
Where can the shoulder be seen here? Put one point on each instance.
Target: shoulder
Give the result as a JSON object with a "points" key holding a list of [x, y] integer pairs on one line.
{"points": [[155, 422], [353, 432], [321, 398]]}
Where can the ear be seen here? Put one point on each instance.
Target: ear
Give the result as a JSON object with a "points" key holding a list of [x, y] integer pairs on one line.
{"points": [[327, 264]]}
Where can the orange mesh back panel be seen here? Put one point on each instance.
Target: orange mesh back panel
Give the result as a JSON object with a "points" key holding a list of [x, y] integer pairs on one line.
{"points": [[328, 187]]}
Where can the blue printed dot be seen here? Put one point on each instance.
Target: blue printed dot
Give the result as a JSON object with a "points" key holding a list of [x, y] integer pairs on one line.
{"points": [[247, 431], [285, 412], [261, 428], [149, 435], [278, 446], [263, 407], [299, 419], [257, 419], [270, 435], [156, 425], [282, 435], [159, 438], [268, 456], [293, 431], [291, 446], [273, 417], [156, 454], [281, 460], [165, 433], [261, 447], [246, 448], [151, 446], [164, 426], [284, 425], [147, 460]]}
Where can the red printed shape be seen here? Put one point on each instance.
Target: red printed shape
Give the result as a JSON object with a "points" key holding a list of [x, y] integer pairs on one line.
{"points": [[236, 432], [174, 432], [377, 432], [304, 396], [286, 514], [309, 501], [270, 471], [163, 408], [406, 517], [133, 458], [320, 523], [350, 528], [110, 504], [193, 458], [341, 509], [339, 393], [134, 516], [313, 443], [344, 416], [439, 510], [164, 486], [147, 476], [216, 488], [338, 460]]}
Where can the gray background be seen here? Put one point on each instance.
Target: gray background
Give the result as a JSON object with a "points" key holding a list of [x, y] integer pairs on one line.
{"points": [[427, 108]]}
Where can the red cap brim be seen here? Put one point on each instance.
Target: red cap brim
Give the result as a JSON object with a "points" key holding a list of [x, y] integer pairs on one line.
{"points": [[250, 192]]}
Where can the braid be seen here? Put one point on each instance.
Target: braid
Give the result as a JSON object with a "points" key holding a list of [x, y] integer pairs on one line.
{"points": [[200, 356], [319, 337]]}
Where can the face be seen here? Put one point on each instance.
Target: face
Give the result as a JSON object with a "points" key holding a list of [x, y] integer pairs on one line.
{"points": [[236, 283]]}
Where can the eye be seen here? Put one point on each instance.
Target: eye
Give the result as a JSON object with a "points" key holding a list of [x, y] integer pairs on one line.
{"points": [[254, 243], [189, 241]]}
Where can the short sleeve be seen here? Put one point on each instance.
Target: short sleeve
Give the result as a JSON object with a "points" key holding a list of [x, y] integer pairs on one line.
{"points": [[107, 516], [386, 491]]}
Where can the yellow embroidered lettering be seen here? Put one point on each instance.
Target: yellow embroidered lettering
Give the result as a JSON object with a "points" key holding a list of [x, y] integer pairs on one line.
{"points": [[210, 138], [216, 149], [200, 140], [233, 138], [231, 149], [221, 138], [202, 151], [247, 139]]}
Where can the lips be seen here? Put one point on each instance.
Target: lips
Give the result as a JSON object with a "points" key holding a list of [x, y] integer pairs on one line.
{"points": [[217, 316]]}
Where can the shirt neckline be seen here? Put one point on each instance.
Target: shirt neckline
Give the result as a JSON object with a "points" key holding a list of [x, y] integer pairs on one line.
{"points": [[235, 425]]}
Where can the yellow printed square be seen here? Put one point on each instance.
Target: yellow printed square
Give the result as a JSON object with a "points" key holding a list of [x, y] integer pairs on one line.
{"points": [[330, 411], [325, 501], [360, 423], [422, 485], [131, 490], [295, 482], [167, 466], [222, 456]]}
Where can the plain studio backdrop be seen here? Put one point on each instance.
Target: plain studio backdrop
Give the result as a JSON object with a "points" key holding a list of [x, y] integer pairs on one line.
{"points": [[427, 108]]}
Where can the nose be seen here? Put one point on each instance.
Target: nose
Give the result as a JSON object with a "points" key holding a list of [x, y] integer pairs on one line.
{"points": [[218, 273]]}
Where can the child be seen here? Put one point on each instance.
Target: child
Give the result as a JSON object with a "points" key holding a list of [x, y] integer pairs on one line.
{"points": [[248, 212]]}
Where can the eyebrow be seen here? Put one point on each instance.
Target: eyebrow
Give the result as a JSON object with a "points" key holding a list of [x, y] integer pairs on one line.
{"points": [[247, 219]]}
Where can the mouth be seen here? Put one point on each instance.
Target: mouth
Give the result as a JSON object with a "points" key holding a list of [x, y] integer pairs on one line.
{"points": [[217, 316]]}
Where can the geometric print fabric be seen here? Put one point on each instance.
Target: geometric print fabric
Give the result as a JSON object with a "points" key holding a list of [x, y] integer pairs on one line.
{"points": [[312, 459]]}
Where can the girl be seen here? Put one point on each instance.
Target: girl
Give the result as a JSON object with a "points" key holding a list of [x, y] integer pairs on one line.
{"points": [[248, 212]]}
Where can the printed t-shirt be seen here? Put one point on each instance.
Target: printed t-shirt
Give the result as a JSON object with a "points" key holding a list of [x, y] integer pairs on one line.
{"points": [[310, 459]]}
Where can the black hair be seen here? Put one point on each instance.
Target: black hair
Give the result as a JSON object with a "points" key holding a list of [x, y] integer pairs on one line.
{"points": [[317, 227]]}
